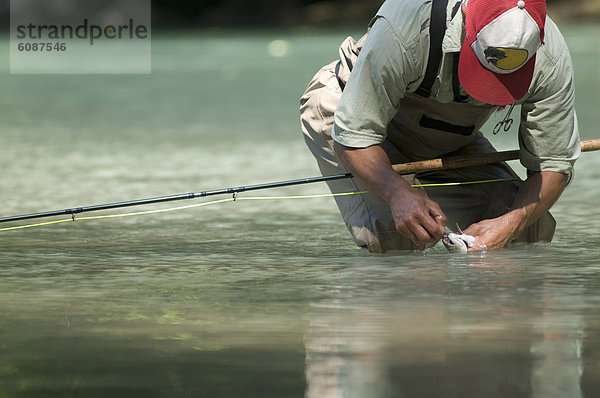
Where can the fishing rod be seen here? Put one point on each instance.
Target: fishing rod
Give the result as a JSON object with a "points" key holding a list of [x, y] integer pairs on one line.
{"points": [[453, 162], [170, 198]]}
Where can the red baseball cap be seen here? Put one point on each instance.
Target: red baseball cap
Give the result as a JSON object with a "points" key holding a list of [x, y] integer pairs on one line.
{"points": [[498, 55]]}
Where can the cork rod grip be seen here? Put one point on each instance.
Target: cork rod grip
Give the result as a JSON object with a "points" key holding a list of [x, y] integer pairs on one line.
{"points": [[457, 162]]}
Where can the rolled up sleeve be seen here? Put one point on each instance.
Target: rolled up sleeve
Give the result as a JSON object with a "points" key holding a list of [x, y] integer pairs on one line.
{"points": [[378, 82], [548, 134]]}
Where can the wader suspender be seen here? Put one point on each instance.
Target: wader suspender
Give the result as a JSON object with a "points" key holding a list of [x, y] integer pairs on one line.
{"points": [[437, 28]]}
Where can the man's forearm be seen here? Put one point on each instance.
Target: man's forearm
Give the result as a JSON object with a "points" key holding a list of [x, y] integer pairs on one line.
{"points": [[536, 196], [372, 166], [415, 215]]}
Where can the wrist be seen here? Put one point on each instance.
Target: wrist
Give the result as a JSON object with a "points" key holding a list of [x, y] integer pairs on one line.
{"points": [[397, 189], [517, 219]]}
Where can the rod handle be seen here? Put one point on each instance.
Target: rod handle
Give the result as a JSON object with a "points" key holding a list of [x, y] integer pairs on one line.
{"points": [[590, 145], [456, 162]]}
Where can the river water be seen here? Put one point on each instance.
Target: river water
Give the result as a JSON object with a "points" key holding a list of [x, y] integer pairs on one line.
{"points": [[262, 298]]}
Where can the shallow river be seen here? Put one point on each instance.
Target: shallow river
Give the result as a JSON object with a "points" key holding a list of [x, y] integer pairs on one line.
{"points": [[262, 298]]}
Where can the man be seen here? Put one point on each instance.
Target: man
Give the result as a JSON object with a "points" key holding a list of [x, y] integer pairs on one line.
{"points": [[371, 109]]}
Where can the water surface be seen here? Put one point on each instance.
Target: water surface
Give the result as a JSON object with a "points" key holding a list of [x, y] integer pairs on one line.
{"points": [[265, 298]]}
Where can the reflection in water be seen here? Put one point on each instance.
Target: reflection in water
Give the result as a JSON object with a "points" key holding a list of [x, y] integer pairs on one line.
{"points": [[343, 361], [522, 338], [558, 362]]}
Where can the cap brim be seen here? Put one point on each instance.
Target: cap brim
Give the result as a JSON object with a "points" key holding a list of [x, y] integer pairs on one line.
{"points": [[489, 87]]}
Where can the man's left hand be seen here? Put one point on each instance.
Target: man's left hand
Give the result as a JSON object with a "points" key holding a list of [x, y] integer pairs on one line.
{"points": [[492, 234], [535, 196]]}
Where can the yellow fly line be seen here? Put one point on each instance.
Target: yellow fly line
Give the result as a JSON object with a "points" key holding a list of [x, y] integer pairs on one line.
{"points": [[234, 199]]}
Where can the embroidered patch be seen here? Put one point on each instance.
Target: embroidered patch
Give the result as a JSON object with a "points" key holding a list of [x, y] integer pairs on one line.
{"points": [[506, 58]]}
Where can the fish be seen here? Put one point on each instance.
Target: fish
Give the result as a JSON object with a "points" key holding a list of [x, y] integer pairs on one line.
{"points": [[458, 242]]}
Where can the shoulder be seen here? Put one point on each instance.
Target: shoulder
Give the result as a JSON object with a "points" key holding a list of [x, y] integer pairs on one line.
{"points": [[553, 66], [553, 80], [403, 25], [554, 50], [408, 19]]}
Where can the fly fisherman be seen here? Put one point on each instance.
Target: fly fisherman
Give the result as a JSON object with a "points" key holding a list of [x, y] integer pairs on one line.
{"points": [[410, 90]]}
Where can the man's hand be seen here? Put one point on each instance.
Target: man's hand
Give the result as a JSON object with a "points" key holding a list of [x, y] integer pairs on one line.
{"points": [[492, 234], [537, 194], [415, 216]]}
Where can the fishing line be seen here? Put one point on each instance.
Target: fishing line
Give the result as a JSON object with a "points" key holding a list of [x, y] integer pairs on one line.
{"points": [[445, 163], [236, 198]]}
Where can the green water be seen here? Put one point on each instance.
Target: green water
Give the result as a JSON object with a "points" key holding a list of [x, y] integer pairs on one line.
{"points": [[268, 298]]}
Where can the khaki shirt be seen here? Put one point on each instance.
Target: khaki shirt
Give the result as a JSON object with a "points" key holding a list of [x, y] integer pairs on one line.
{"points": [[392, 63]]}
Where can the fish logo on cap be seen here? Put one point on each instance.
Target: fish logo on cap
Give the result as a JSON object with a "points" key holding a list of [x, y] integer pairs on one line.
{"points": [[506, 58]]}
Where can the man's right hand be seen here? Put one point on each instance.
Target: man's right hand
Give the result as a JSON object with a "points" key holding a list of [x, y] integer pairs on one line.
{"points": [[416, 216]]}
